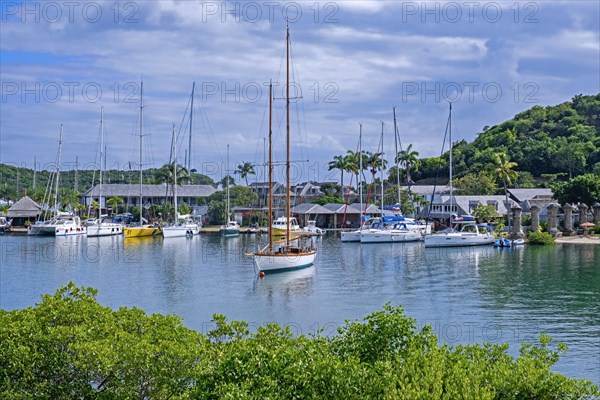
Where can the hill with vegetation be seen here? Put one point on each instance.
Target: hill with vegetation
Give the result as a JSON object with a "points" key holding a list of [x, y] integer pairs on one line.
{"points": [[553, 143]]}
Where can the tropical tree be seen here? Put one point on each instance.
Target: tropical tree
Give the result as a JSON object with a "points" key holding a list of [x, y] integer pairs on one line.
{"points": [[504, 170], [485, 213], [408, 158], [472, 184], [114, 202], [581, 189], [244, 169], [227, 181], [167, 175], [339, 162]]}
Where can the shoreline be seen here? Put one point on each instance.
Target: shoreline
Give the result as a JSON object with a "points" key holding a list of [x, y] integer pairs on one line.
{"points": [[578, 239]]}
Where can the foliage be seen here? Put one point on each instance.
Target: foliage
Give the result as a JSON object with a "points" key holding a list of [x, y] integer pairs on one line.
{"points": [[485, 213], [340, 163], [244, 169], [68, 177], [581, 189], [69, 346], [409, 158], [541, 238], [239, 196], [114, 202], [476, 184], [183, 209], [410, 202], [322, 200]]}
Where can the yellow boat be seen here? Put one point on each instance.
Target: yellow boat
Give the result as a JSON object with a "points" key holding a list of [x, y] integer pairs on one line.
{"points": [[280, 227], [142, 231]]}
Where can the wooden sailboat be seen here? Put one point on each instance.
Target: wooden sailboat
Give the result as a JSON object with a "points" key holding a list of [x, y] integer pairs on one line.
{"points": [[231, 227], [142, 230], [289, 253]]}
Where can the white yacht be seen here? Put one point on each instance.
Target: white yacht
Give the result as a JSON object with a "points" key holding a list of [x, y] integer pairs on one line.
{"points": [[397, 232], [103, 226], [468, 235], [63, 224]]}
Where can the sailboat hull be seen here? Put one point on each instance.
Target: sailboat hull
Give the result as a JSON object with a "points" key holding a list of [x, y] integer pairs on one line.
{"points": [[279, 262], [458, 239], [353, 236], [180, 231], [104, 229], [141, 231], [389, 236]]}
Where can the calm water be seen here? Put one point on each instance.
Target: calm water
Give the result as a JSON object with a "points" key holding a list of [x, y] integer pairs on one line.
{"points": [[467, 295]]}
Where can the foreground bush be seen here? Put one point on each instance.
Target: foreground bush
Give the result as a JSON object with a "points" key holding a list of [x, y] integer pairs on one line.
{"points": [[68, 346], [540, 238]]}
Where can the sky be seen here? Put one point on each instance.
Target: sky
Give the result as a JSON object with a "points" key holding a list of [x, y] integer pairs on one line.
{"points": [[61, 62]]}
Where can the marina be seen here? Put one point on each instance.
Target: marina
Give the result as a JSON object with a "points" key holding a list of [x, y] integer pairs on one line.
{"points": [[468, 295]]}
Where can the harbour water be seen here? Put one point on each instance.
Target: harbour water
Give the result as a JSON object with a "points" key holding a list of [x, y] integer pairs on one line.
{"points": [[468, 295]]}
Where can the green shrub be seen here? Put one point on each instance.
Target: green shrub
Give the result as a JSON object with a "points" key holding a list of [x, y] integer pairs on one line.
{"points": [[541, 238], [69, 346]]}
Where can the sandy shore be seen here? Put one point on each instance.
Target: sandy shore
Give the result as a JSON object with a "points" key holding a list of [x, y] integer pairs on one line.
{"points": [[579, 239]]}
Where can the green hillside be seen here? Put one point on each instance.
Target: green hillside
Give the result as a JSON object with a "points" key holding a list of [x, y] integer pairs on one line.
{"points": [[547, 143]]}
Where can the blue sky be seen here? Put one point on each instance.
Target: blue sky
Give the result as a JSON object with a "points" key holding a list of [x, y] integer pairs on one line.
{"points": [[62, 61]]}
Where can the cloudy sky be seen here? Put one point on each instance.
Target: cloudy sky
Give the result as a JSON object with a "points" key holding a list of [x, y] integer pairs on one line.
{"points": [[353, 61]]}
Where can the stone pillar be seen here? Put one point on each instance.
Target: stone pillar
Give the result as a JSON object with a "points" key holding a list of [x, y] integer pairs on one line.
{"points": [[516, 230], [596, 208], [535, 218], [583, 210], [552, 210], [568, 221]]}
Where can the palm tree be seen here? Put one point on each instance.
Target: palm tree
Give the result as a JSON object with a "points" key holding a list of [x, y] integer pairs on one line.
{"points": [[245, 169], [409, 159], [339, 162], [227, 181], [374, 162], [167, 176], [114, 202], [504, 170]]}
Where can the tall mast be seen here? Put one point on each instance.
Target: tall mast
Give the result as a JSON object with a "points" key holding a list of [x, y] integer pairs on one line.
{"points": [[287, 126], [450, 158], [360, 188], [189, 155], [227, 183], [101, 158], [382, 168], [174, 152], [141, 146], [397, 158], [270, 166], [58, 169]]}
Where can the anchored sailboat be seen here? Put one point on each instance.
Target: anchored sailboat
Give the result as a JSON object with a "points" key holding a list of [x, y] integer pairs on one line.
{"points": [[62, 223], [288, 253], [178, 229], [102, 226], [469, 234], [231, 227], [142, 230]]}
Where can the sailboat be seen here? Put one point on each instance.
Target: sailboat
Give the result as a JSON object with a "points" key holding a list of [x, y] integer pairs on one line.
{"points": [[178, 229], [62, 223], [390, 229], [288, 253], [468, 234], [102, 226], [231, 227], [142, 230], [354, 236]]}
